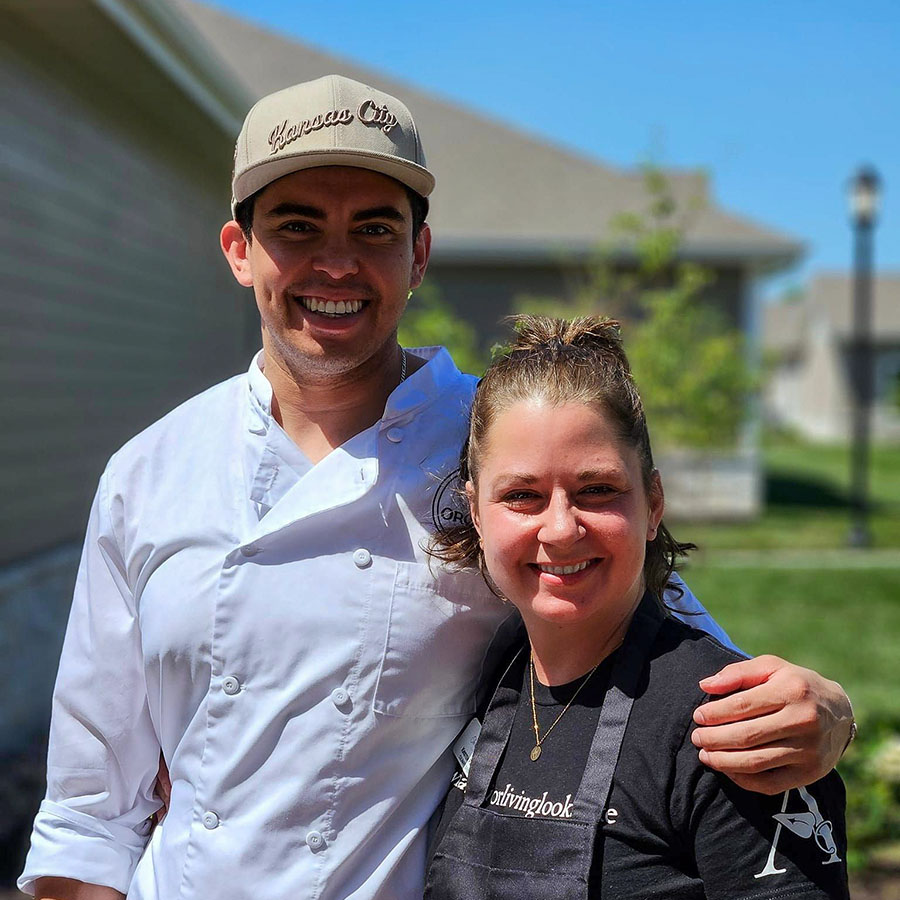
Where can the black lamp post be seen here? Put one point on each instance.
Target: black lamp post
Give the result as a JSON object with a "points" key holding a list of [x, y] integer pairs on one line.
{"points": [[864, 197]]}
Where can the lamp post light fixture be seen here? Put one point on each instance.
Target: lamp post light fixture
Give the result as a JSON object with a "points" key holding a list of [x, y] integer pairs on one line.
{"points": [[864, 196]]}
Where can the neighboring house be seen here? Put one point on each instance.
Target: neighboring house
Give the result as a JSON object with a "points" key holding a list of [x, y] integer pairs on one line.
{"points": [[809, 341], [118, 123]]}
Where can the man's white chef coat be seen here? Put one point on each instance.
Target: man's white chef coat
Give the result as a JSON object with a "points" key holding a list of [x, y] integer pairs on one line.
{"points": [[275, 628]]}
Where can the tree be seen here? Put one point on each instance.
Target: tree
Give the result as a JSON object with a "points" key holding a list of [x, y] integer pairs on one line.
{"points": [[691, 366], [428, 320]]}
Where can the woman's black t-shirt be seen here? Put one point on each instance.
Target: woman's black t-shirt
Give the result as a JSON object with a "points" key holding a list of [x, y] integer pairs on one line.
{"points": [[672, 827]]}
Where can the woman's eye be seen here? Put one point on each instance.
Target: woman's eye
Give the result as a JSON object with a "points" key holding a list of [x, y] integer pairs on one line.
{"points": [[599, 490], [519, 496]]}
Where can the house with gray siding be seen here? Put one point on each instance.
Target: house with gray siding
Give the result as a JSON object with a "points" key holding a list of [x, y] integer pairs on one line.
{"points": [[114, 302]]}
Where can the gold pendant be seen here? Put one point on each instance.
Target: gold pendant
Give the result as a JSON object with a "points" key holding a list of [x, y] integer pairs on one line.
{"points": [[535, 752]]}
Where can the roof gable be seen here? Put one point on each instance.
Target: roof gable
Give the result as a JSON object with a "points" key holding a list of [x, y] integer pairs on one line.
{"points": [[500, 192]]}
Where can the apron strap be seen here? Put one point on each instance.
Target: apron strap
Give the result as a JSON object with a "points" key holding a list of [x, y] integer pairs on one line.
{"points": [[631, 657], [491, 742]]}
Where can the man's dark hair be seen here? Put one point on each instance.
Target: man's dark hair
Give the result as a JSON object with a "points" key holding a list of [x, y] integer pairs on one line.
{"points": [[243, 212]]}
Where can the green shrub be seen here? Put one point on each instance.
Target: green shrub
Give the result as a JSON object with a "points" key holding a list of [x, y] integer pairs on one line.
{"points": [[871, 771]]}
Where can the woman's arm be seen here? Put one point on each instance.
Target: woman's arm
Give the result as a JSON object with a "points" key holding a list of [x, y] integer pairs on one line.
{"points": [[745, 844], [67, 889]]}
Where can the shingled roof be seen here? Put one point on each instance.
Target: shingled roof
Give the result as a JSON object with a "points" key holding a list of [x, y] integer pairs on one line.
{"points": [[828, 302], [501, 193]]}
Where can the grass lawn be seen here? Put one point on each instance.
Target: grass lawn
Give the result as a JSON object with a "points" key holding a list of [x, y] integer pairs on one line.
{"points": [[806, 501], [821, 605], [843, 623]]}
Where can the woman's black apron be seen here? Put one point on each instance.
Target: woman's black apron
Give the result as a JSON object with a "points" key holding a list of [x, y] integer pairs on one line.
{"points": [[485, 855]]}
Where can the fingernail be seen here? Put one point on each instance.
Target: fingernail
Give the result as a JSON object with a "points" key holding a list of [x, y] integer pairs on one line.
{"points": [[704, 757]]}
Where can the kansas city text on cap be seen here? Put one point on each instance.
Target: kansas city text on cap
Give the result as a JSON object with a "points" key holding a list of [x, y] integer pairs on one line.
{"points": [[369, 113]]}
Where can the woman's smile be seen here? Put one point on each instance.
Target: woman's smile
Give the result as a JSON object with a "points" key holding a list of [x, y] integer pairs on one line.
{"points": [[564, 573]]}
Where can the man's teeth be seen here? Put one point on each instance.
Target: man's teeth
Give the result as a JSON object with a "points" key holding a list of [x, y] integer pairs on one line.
{"points": [[331, 307], [565, 570]]}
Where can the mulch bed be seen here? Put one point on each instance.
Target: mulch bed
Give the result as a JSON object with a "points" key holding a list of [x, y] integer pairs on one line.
{"points": [[876, 886]]}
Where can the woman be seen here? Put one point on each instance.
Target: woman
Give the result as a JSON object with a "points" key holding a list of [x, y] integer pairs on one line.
{"points": [[584, 781]]}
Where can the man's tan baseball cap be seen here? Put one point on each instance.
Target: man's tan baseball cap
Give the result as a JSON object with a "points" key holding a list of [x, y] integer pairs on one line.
{"points": [[332, 121]]}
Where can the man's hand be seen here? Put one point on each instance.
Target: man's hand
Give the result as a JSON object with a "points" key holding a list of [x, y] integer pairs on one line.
{"points": [[67, 889], [163, 790], [781, 727]]}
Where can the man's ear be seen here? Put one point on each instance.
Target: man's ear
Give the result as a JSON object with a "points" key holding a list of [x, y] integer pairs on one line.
{"points": [[657, 505], [471, 496], [235, 246], [421, 252]]}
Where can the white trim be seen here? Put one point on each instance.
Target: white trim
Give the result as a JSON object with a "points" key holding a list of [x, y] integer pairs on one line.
{"points": [[122, 12]]}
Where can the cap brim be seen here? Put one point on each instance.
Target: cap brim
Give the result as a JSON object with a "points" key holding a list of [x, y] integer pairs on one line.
{"points": [[264, 173]]}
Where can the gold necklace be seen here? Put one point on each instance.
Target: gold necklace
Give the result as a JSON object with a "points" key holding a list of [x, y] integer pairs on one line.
{"points": [[538, 740]]}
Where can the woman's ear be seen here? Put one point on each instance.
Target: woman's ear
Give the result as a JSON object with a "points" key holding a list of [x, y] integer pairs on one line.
{"points": [[657, 505], [472, 497]]}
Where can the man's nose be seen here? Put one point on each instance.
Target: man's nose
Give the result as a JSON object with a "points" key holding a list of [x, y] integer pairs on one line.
{"points": [[335, 258]]}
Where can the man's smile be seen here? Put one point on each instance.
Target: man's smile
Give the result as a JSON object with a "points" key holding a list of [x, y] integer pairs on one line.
{"points": [[331, 307]]}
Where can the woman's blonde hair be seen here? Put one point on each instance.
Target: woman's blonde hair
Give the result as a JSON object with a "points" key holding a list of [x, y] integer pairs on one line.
{"points": [[555, 362]]}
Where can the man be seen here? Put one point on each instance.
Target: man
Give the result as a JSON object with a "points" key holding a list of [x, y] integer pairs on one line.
{"points": [[254, 599]]}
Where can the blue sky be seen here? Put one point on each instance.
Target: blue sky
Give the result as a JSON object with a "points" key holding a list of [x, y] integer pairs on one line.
{"points": [[780, 102]]}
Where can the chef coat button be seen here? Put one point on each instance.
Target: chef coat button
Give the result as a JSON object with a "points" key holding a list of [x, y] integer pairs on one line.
{"points": [[315, 841], [362, 558], [339, 697], [230, 685], [249, 550], [395, 435], [210, 820]]}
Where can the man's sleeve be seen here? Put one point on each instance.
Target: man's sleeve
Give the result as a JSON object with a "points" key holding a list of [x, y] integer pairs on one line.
{"points": [[103, 754], [751, 847], [681, 601]]}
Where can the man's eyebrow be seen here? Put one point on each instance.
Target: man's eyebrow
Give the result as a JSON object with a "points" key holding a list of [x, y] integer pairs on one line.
{"points": [[379, 212], [295, 209]]}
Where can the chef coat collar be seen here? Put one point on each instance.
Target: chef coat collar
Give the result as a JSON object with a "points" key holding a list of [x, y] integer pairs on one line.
{"points": [[274, 464], [420, 388]]}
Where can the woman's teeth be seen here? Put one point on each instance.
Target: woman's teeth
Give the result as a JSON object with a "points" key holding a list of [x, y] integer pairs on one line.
{"points": [[331, 307], [564, 570]]}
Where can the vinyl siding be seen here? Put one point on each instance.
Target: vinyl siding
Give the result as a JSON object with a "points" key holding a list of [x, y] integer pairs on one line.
{"points": [[115, 302], [484, 294]]}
